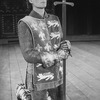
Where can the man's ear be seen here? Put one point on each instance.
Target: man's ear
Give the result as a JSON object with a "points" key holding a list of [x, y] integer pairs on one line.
{"points": [[30, 1]]}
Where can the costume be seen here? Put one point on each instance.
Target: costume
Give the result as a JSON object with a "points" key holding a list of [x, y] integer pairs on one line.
{"points": [[40, 39]]}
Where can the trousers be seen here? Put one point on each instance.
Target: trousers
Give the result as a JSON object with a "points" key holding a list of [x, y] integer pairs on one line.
{"points": [[49, 94]]}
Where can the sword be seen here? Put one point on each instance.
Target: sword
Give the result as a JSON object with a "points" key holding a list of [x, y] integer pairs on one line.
{"points": [[64, 3]]}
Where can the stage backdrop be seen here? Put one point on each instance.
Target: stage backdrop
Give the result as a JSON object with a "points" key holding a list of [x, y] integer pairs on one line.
{"points": [[82, 19]]}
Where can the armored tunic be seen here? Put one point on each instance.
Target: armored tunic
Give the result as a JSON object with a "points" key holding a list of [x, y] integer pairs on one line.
{"points": [[38, 36]]}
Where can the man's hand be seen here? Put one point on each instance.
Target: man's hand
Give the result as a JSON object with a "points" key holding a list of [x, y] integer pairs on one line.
{"points": [[65, 45], [64, 49]]}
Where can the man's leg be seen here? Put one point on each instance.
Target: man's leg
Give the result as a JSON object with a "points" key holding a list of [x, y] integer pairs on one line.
{"points": [[39, 95], [50, 94], [56, 93]]}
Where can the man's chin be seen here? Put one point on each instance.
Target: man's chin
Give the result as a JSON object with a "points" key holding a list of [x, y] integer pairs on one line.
{"points": [[41, 7]]}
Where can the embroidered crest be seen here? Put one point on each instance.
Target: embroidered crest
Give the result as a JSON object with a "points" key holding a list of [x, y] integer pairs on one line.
{"points": [[42, 36], [55, 35], [45, 76], [42, 25], [39, 48], [53, 23], [47, 47], [34, 25], [61, 70]]}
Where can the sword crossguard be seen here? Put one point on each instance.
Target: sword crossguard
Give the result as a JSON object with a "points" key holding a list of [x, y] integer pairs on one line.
{"points": [[63, 2]]}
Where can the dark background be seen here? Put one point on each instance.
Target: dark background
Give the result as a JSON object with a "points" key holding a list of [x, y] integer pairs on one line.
{"points": [[82, 19]]}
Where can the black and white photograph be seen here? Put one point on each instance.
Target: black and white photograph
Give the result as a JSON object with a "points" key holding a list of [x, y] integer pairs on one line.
{"points": [[49, 50]]}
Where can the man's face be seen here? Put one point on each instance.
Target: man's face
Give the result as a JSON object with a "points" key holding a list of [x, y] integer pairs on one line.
{"points": [[39, 3]]}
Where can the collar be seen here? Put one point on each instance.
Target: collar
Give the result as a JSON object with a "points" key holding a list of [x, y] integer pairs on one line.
{"points": [[37, 15]]}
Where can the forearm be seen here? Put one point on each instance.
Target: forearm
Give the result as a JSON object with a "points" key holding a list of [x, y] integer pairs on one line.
{"points": [[27, 44], [31, 55]]}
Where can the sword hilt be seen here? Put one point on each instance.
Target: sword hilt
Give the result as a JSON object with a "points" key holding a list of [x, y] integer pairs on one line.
{"points": [[63, 2]]}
